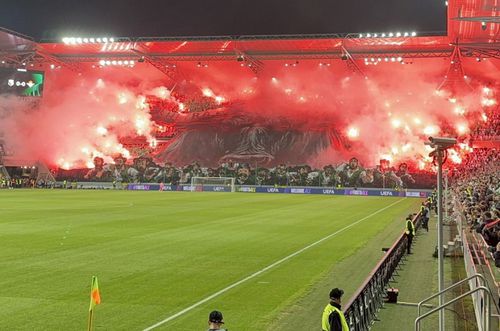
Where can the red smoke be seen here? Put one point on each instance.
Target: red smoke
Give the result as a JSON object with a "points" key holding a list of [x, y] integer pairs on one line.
{"points": [[388, 115]]}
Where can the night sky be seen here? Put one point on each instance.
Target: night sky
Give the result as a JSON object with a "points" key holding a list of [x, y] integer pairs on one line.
{"points": [[53, 19]]}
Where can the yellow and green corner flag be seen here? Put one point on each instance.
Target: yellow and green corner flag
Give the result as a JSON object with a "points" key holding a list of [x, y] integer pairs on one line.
{"points": [[95, 297]]}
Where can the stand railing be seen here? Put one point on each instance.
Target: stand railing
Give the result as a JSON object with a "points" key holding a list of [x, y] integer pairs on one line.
{"points": [[486, 307], [479, 276]]}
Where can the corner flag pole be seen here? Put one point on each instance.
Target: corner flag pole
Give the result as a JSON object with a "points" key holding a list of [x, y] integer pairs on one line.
{"points": [[95, 299], [90, 321]]}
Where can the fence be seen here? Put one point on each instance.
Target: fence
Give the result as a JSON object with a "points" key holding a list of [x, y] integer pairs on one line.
{"points": [[362, 308]]}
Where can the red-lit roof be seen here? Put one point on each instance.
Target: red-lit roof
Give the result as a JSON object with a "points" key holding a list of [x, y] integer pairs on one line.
{"points": [[460, 29]]}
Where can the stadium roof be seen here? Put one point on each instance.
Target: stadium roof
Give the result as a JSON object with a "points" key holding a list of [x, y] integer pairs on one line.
{"points": [[473, 26]]}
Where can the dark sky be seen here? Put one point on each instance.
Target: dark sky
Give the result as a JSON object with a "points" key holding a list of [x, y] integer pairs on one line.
{"points": [[53, 19]]}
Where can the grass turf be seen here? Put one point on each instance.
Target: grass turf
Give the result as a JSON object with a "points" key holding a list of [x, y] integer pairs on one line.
{"points": [[158, 253]]}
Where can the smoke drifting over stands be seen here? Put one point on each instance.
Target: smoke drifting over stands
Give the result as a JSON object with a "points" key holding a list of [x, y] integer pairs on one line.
{"points": [[309, 113]]}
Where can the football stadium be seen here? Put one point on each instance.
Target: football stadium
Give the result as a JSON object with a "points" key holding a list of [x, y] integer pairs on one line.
{"points": [[251, 179]]}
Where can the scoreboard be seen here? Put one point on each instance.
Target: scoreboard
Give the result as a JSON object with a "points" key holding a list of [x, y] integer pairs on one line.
{"points": [[21, 82]]}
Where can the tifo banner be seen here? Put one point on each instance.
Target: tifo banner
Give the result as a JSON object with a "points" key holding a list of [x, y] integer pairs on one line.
{"points": [[286, 190]]}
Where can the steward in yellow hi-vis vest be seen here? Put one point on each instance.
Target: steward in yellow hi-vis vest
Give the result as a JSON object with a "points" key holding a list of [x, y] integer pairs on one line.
{"points": [[410, 232], [333, 318]]}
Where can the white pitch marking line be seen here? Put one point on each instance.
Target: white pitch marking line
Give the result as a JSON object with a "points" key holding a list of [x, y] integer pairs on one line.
{"points": [[255, 274]]}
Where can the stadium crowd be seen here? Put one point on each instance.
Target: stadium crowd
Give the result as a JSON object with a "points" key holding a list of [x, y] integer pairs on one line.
{"points": [[477, 189], [490, 128], [349, 174]]}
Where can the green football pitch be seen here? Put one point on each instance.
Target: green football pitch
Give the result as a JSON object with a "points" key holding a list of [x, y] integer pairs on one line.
{"points": [[166, 259]]}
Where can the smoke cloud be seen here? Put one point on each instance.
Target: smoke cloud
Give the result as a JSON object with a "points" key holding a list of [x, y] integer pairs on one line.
{"points": [[386, 115]]}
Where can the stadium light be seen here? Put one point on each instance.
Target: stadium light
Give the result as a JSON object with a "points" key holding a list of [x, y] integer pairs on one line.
{"points": [[86, 40], [398, 34], [391, 34], [413, 34]]}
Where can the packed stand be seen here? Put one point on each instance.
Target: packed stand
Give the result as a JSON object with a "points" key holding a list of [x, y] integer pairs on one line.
{"points": [[477, 188], [489, 128], [350, 174]]}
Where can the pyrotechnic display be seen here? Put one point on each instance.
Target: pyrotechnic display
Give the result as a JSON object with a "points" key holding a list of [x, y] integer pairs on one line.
{"points": [[310, 113], [250, 165]]}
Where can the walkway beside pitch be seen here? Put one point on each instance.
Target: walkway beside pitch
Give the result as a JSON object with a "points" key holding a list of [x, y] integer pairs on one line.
{"points": [[416, 279]]}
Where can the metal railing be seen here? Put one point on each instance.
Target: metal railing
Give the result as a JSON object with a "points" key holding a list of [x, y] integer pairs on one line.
{"points": [[449, 288], [486, 308], [361, 310]]}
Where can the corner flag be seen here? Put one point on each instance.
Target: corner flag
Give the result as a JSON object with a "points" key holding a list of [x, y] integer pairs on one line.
{"points": [[95, 297]]}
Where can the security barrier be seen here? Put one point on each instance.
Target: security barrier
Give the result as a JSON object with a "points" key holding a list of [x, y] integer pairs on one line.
{"points": [[361, 310]]}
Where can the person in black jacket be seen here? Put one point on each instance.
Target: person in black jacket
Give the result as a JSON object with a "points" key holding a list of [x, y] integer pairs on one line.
{"points": [[333, 318], [215, 321]]}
